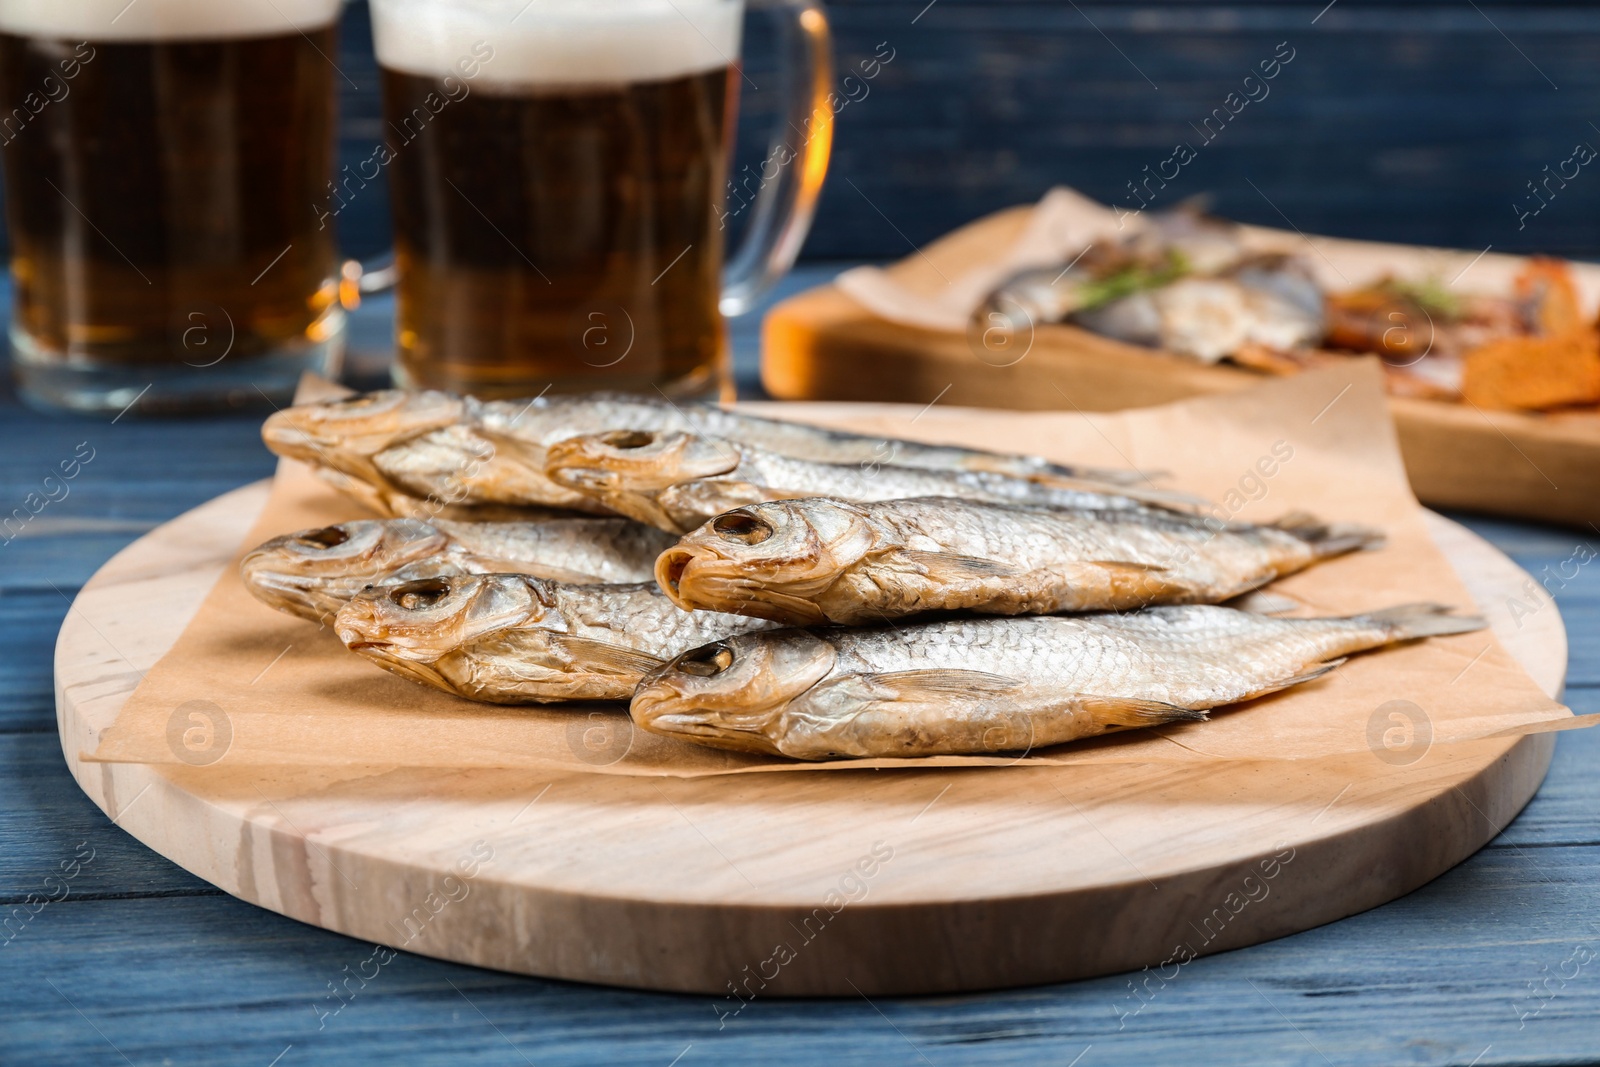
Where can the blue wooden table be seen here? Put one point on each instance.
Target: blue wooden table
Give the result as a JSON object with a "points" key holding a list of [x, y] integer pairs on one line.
{"points": [[132, 960]]}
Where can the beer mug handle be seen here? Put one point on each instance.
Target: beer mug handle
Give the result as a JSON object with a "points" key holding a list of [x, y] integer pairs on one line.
{"points": [[784, 202], [358, 278]]}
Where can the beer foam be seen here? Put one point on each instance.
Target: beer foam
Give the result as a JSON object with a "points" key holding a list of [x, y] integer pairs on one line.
{"points": [[163, 20], [557, 42]]}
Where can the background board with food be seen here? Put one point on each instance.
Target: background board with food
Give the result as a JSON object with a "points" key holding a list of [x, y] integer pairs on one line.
{"points": [[1493, 361]]}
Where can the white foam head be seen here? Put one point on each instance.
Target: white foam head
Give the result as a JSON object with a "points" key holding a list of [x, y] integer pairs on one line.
{"points": [[163, 20], [558, 42]]}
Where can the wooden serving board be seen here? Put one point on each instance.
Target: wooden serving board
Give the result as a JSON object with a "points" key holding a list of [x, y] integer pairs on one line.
{"points": [[823, 345], [754, 886]]}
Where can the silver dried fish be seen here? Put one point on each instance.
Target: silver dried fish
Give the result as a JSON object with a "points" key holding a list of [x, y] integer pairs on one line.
{"points": [[998, 685], [678, 481], [812, 561]]}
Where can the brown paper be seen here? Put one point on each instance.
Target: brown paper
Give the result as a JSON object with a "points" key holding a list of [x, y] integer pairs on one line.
{"points": [[1319, 442]]}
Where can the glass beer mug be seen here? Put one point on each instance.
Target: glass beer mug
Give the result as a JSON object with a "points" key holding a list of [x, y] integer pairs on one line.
{"points": [[557, 172], [163, 159]]}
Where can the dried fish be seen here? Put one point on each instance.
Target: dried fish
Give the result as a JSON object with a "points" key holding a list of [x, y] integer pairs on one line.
{"points": [[806, 562], [314, 573], [1161, 248], [998, 685], [513, 639], [416, 453], [679, 481], [1272, 302]]}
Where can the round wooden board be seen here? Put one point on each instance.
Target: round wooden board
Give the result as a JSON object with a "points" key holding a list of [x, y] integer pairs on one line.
{"points": [[762, 885]]}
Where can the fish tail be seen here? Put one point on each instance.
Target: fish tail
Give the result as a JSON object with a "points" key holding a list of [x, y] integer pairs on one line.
{"points": [[1408, 622], [1329, 538]]}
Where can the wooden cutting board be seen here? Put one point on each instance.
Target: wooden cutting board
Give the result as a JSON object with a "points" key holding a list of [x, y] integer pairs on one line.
{"points": [[754, 886], [822, 345]]}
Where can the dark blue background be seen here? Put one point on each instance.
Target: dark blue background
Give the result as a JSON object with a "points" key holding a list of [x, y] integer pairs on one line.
{"points": [[1408, 121], [1419, 122]]}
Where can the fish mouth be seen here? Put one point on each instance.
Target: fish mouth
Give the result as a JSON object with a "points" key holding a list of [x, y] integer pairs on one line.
{"points": [[698, 581], [661, 709], [305, 599], [670, 568]]}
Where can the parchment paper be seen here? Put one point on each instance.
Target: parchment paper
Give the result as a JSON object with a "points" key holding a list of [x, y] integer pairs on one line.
{"points": [[1321, 442]]}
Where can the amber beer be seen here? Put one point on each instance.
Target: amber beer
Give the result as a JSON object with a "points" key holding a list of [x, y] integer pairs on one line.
{"points": [[163, 170], [556, 184]]}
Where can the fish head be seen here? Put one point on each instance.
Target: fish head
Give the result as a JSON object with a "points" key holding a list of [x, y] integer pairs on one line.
{"points": [[501, 638], [637, 460], [424, 620], [733, 694], [634, 472], [767, 560], [313, 573], [342, 433]]}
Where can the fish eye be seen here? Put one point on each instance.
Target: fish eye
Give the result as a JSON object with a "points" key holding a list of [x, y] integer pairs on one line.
{"points": [[628, 439], [742, 527], [419, 595], [327, 537], [706, 661]]}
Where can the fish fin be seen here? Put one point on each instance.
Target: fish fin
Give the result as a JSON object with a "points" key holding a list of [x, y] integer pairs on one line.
{"points": [[1408, 622], [948, 567], [1305, 676], [1260, 602], [1329, 538], [1147, 583], [605, 655], [944, 682], [1113, 712]]}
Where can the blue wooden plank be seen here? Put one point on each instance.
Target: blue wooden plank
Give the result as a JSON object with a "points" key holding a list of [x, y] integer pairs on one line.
{"points": [[29, 623], [55, 844], [1440, 977], [1526, 540], [64, 551]]}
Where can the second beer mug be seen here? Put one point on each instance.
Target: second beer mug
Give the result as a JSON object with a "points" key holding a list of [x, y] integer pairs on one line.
{"points": [[557, 171]]}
